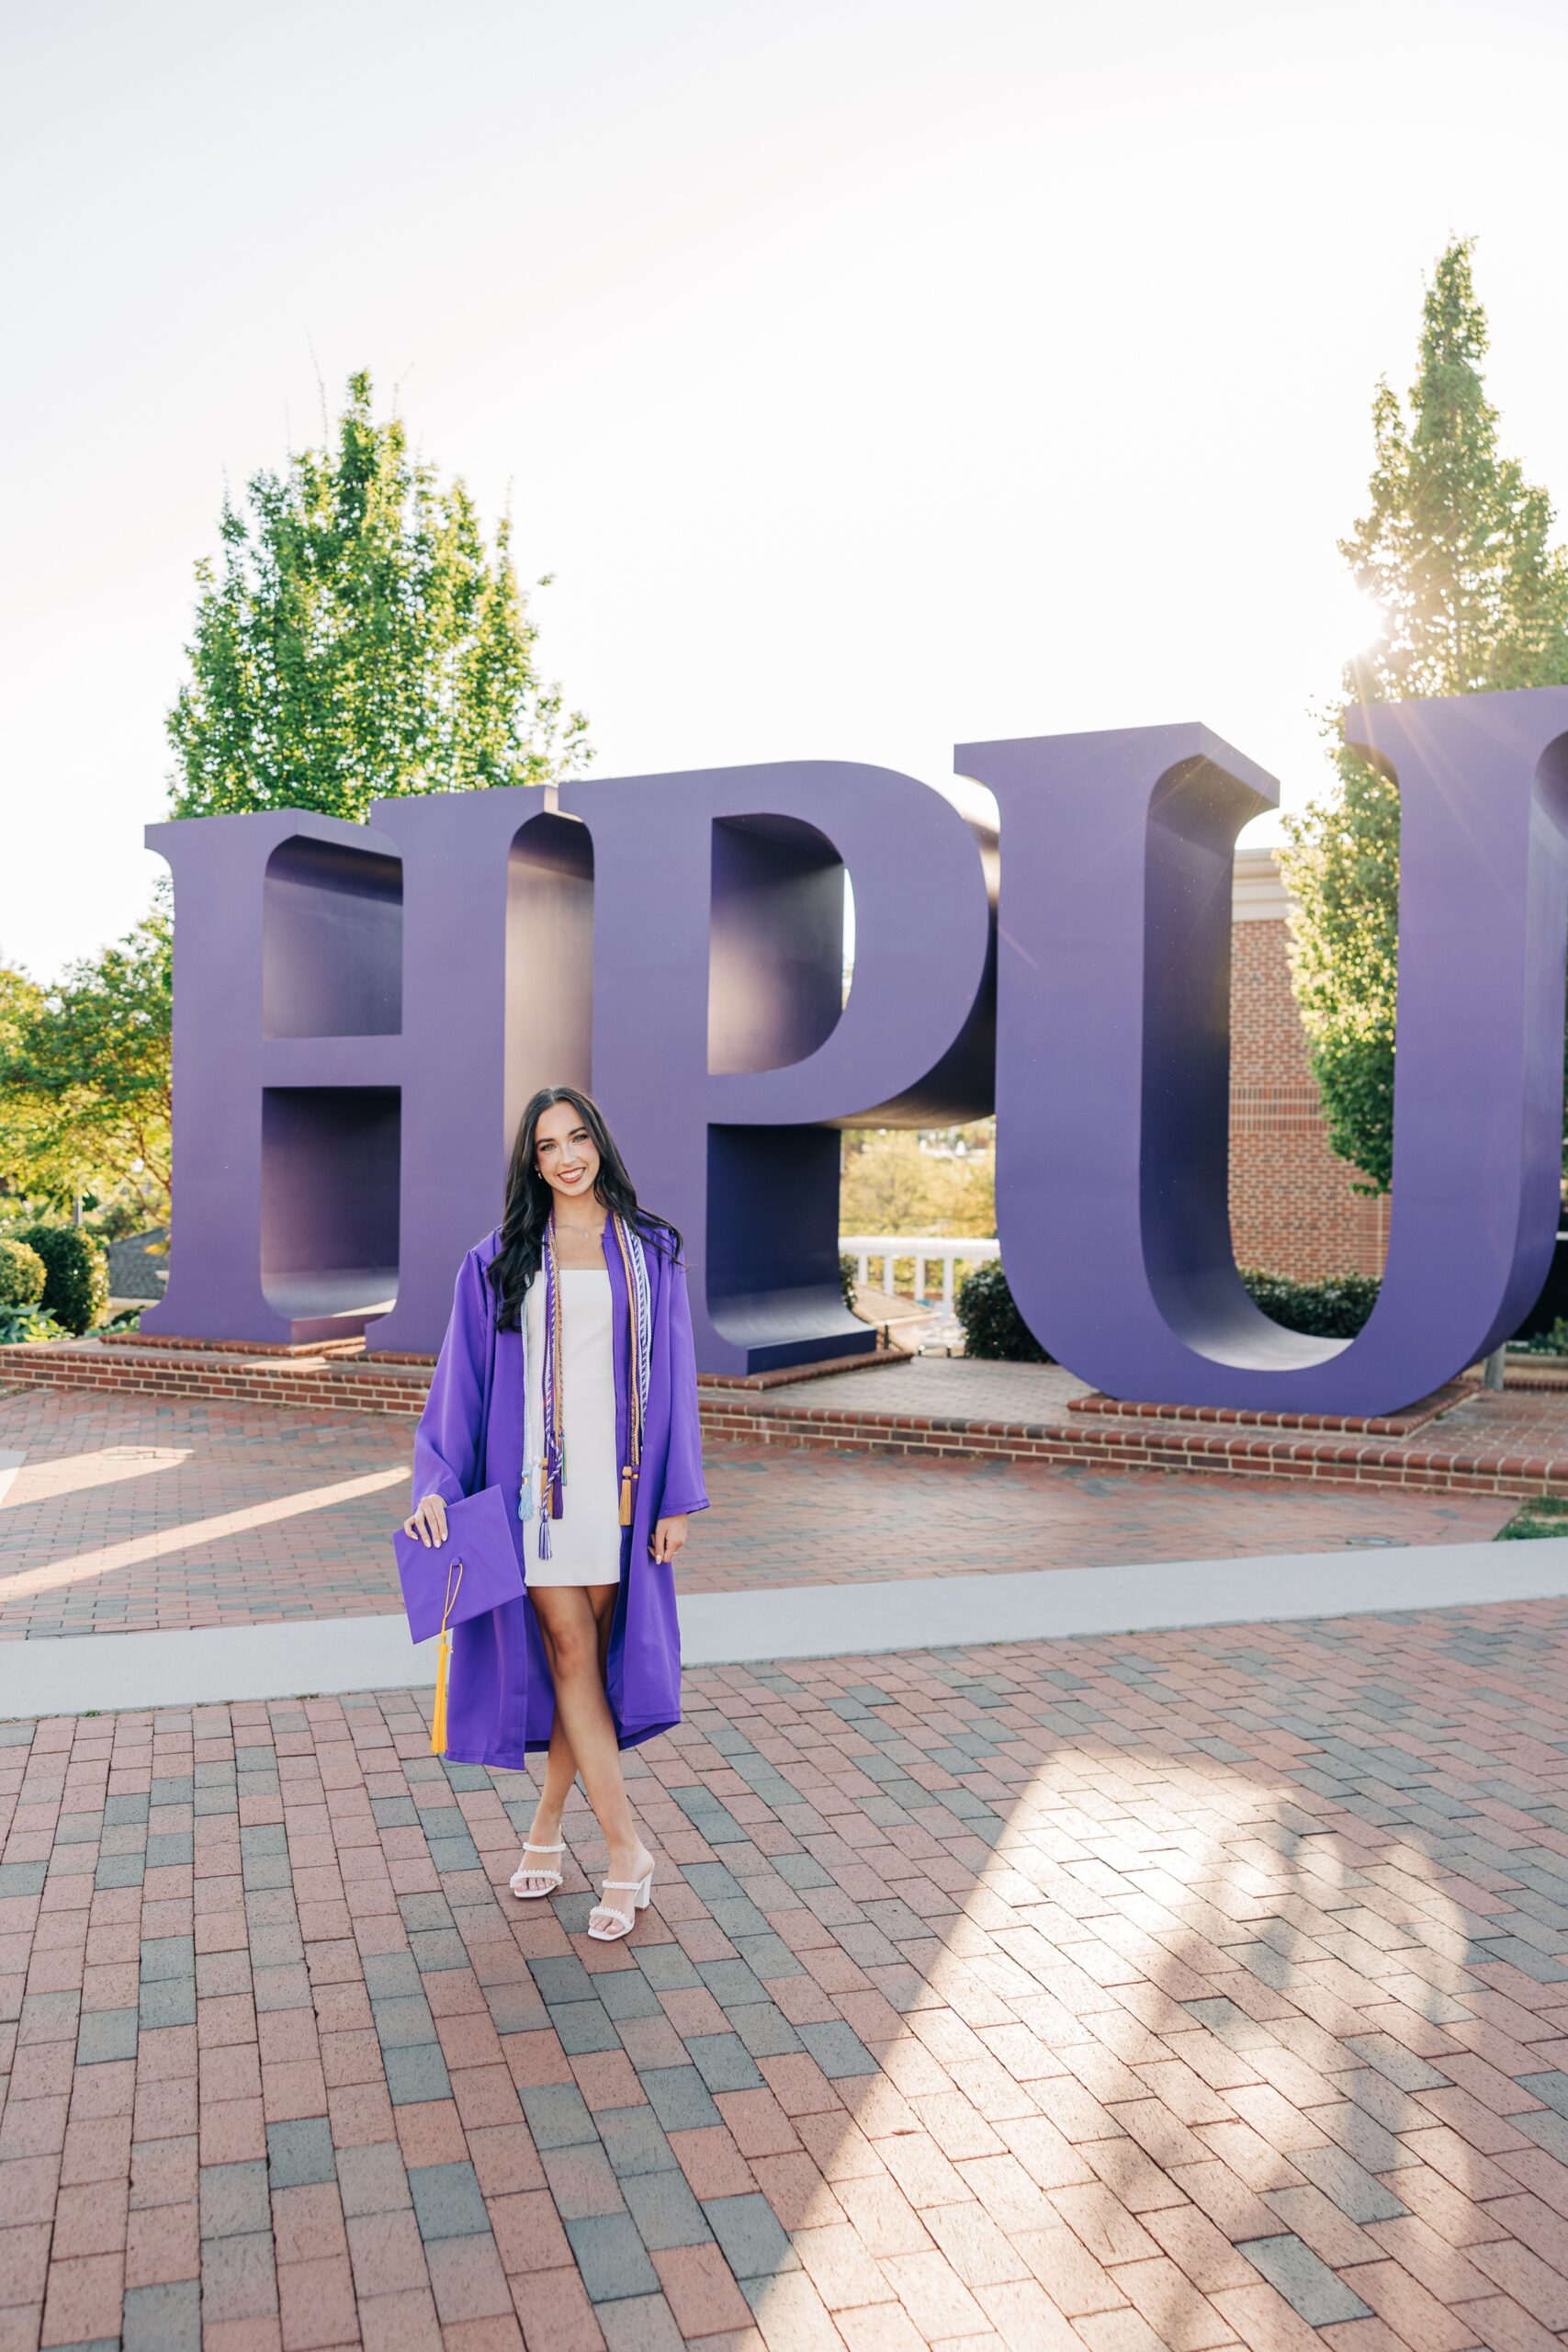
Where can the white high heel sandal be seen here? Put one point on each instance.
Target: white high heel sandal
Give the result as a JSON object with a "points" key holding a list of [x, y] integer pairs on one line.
{"points": [[552, 1878], [639, 1889]]}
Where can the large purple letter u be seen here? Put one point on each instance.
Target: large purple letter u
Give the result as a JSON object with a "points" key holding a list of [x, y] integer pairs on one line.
{"points": [[1112, 1052]]}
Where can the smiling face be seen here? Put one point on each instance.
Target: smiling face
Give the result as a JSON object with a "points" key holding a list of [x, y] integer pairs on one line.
{"points": [[567, 1156]]}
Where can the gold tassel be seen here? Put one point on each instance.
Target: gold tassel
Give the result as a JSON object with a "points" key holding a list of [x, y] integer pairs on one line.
{"points": [[631, 1469], [443, 1660], [438, 1719]]}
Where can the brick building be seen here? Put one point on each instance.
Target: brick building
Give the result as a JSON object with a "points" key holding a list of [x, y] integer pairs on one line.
{"points": [[1292, 1209]]}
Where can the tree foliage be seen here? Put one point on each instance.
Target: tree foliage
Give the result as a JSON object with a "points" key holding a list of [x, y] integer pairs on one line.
{"points": [[26, 1168], [356, 637], [890, 1186], [84, 1074], [1456, 549]]}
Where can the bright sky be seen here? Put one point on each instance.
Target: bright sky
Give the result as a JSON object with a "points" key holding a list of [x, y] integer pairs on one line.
{"points": [[873, 375]]}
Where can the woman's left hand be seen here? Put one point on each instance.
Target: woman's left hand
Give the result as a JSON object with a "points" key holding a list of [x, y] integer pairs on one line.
{"points": [[668, 1536]]}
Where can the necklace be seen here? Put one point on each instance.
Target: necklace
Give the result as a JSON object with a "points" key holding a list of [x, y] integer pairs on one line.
{"points": [[579, 1244], [593, 1223]]}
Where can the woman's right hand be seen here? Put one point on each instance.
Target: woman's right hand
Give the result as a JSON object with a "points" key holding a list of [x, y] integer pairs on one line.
{"points": [[428, 1520]]}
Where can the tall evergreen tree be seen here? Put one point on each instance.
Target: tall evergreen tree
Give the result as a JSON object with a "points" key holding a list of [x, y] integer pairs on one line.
{"points": [[1456, 549], [357, 637]]}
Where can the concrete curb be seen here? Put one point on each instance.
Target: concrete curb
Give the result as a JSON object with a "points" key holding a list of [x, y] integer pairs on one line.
{"points": [[99, 1673]]}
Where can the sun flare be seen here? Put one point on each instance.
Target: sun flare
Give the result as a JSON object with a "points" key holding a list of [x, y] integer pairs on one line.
{"points": [[1359, 621]]}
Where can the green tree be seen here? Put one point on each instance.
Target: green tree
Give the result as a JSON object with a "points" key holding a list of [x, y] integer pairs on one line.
{"points": [[27, 1170], [1456, 549], [890, 1186], [356, 637], [84, 1074]]}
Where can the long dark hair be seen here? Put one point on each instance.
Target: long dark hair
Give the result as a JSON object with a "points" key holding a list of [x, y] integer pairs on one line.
{"points": [[529, 1198]]}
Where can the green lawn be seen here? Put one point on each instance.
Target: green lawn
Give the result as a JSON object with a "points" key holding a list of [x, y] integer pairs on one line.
{"points": [[1542, 1515]]}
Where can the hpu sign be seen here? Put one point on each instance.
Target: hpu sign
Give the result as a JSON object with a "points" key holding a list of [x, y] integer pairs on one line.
{"points": [[360, 1012]]}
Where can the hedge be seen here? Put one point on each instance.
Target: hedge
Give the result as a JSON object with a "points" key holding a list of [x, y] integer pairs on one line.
{"points": [[76, 1284], [991, 1324], [22, 1275], [1335, 1308], [1543, 1343]]}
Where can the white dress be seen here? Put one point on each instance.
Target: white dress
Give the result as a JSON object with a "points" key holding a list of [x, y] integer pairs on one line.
{"points": [[586, 1542]]}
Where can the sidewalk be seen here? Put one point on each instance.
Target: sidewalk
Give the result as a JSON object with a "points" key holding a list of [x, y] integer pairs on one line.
{"points": [[129, 1513]]}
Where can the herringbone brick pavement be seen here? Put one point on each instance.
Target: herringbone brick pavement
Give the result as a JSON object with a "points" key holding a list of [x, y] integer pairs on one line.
{"points": [[1184, 1990]]}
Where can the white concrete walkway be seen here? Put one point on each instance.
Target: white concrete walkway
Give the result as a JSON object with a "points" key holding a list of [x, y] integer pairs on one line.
{"points": [[104, 1671]]}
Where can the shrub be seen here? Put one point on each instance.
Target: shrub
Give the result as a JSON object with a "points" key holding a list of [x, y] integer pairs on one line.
{"points": [[848, 1270], [23, 1323], [77, 1289], [1543, 1343], [1334, 1309], [991, 1324], [22, 1275]]}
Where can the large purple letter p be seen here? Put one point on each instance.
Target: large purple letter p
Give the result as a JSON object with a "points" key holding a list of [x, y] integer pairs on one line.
{"points": [[727, 1070]]}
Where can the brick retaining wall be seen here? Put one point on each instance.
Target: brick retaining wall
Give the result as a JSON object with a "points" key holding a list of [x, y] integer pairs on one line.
{"points": [[1143, 1444], [315, 1385]]}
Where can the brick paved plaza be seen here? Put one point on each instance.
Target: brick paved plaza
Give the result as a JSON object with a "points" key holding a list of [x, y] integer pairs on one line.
{"points": [[1177, 1990]]}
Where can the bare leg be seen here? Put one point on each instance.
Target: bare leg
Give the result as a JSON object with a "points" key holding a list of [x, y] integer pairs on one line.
{"points": [[561, 1762], [570, 1619]]}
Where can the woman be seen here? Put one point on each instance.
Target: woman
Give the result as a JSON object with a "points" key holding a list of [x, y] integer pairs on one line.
{"points": [[593, 1427]]}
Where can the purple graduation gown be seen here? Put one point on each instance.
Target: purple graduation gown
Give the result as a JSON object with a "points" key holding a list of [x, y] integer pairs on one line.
{"points": [[500, 1702]]}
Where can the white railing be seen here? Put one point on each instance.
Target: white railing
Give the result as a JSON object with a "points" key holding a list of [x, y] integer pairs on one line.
{"points": [[925, 1249]]}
